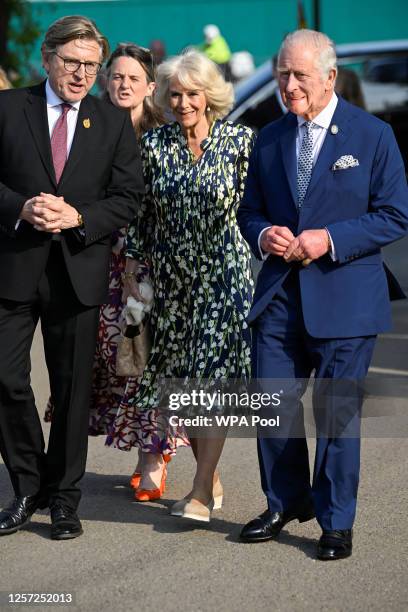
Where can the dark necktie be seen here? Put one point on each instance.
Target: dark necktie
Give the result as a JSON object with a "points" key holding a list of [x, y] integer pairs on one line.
{"points": [[59, 142]]}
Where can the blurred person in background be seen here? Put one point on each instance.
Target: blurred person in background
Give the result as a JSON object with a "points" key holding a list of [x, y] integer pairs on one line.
{"points": [[242, 65], [267, 110], [216, 48], [158, 48], [195, 170], [4, 81], [348, 85]]}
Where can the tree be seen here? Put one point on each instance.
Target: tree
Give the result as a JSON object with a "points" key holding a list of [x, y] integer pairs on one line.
{"points": [[18, 33]]}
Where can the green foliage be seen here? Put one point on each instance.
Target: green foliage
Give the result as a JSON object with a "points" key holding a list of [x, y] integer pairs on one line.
{"points": [[21, 32]]}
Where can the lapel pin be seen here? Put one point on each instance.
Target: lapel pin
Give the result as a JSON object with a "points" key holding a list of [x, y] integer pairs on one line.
{"points": [[87, 123], [334, 129]]}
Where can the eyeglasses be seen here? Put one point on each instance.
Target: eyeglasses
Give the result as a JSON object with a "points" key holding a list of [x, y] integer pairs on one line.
{"points": [[72, 65]]}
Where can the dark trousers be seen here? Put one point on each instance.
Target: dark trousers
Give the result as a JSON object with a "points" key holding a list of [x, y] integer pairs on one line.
{"points": [[284, 351], [69, 333]]}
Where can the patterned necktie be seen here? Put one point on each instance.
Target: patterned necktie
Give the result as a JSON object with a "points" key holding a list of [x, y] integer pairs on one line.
{"points": [[59, 142], [305, 162]]}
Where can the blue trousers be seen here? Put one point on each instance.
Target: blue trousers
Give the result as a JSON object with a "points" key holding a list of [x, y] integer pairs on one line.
{"points": [[283, 351]]}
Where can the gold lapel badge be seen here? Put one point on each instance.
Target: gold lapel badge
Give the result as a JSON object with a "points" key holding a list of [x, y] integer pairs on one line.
{"points": [[86, 123]]}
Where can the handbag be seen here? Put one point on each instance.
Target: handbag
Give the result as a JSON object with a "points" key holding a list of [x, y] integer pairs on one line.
{"points": [[134, 344], [133, 349]]}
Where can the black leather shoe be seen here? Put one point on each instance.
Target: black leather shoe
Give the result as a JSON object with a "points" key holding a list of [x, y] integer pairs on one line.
{"points": [[65, 523], [17, 514], [268, 525], [335, 544]]}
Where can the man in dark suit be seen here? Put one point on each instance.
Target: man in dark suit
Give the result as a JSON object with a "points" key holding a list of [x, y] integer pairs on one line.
{"points": [[326, 190], [70, 174]]}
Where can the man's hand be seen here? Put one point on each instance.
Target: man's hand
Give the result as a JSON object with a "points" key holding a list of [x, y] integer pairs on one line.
{"points": [[49, 213], [310, 244], [28, 214], [276, 240]]}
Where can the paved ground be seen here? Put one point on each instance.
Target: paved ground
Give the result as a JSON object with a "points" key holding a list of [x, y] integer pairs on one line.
{"points": [[136, 557]]}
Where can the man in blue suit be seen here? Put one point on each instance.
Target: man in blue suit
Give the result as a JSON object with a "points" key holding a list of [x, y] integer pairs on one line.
{"points": [[326, 190]]}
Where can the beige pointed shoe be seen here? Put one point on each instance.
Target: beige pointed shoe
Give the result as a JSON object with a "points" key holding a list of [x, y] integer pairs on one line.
{"points": [[197, 511]]}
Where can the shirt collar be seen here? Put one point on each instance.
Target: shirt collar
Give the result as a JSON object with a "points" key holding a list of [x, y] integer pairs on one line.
{"points": [[324, 118], [54, 100]]}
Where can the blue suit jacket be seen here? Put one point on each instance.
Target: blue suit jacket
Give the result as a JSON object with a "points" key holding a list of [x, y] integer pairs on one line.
{"points": [[364, 208]]}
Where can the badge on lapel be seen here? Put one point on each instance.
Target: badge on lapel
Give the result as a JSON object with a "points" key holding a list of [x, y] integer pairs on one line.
{"points": [[344, 162], [86, 123]]}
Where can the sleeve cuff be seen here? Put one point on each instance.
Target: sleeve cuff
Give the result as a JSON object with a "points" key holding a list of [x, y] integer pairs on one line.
{"points": [[332, 251], [262, 253]]}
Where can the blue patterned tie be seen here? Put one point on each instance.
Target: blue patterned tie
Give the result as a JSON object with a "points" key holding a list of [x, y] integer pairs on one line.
{"points": [[305, 162]]}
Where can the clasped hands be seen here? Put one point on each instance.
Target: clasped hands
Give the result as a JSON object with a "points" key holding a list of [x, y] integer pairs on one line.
{"points": [[309, 245], [49, 213]]}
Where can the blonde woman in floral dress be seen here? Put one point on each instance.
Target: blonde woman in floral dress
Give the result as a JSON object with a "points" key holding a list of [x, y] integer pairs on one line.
{"points": [[195, 169]]}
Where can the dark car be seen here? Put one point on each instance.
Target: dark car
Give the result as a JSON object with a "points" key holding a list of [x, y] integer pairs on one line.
{"points": [[382, 68]]}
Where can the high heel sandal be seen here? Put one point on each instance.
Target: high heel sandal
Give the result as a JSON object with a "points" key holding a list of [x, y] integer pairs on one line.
{"points": [[137, 476], [144, 495]]}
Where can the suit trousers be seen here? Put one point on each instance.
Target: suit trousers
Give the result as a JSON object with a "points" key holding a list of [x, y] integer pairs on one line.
{"points": [[69, 334], [285, 355]]}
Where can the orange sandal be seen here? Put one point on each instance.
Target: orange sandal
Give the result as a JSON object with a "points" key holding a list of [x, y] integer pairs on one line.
{"points": [[144, 495]]}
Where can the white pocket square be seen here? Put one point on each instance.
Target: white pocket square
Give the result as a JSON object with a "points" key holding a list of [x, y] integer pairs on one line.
{"points": [[344, 162]]}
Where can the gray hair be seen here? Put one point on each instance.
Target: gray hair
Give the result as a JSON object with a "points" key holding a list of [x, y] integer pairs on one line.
{"points": [[70, 28], [194, 70], [322, 44]]}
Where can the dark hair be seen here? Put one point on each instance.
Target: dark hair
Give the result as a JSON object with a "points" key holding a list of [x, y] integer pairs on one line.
{"points": [[152, 115]]}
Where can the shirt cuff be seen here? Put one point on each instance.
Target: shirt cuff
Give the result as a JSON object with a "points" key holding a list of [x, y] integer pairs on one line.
{"points": [[262, 253], [332, 251], [17, 224]]}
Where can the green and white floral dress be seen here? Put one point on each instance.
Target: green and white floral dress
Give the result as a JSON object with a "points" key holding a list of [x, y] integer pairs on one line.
{"points": [[187, 230]]}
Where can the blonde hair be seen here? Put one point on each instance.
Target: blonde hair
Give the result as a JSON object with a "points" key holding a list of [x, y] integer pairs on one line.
{"points": [[70, 28], [322, 44], [4, 82], [194, 70]]}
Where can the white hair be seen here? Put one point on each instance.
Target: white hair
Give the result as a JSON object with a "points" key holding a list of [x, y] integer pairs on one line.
{"points": [[194, 69], [322, 44]]}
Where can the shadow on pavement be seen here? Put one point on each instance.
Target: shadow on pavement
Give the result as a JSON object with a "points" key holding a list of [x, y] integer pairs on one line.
{"points": [[108, 498]]}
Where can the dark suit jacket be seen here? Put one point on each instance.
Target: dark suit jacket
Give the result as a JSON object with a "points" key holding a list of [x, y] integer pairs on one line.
{"points": [[102, 179], [364, 208]]}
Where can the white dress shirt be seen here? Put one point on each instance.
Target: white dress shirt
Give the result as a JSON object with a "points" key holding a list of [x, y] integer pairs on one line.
{"points": [[321, 125]]}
